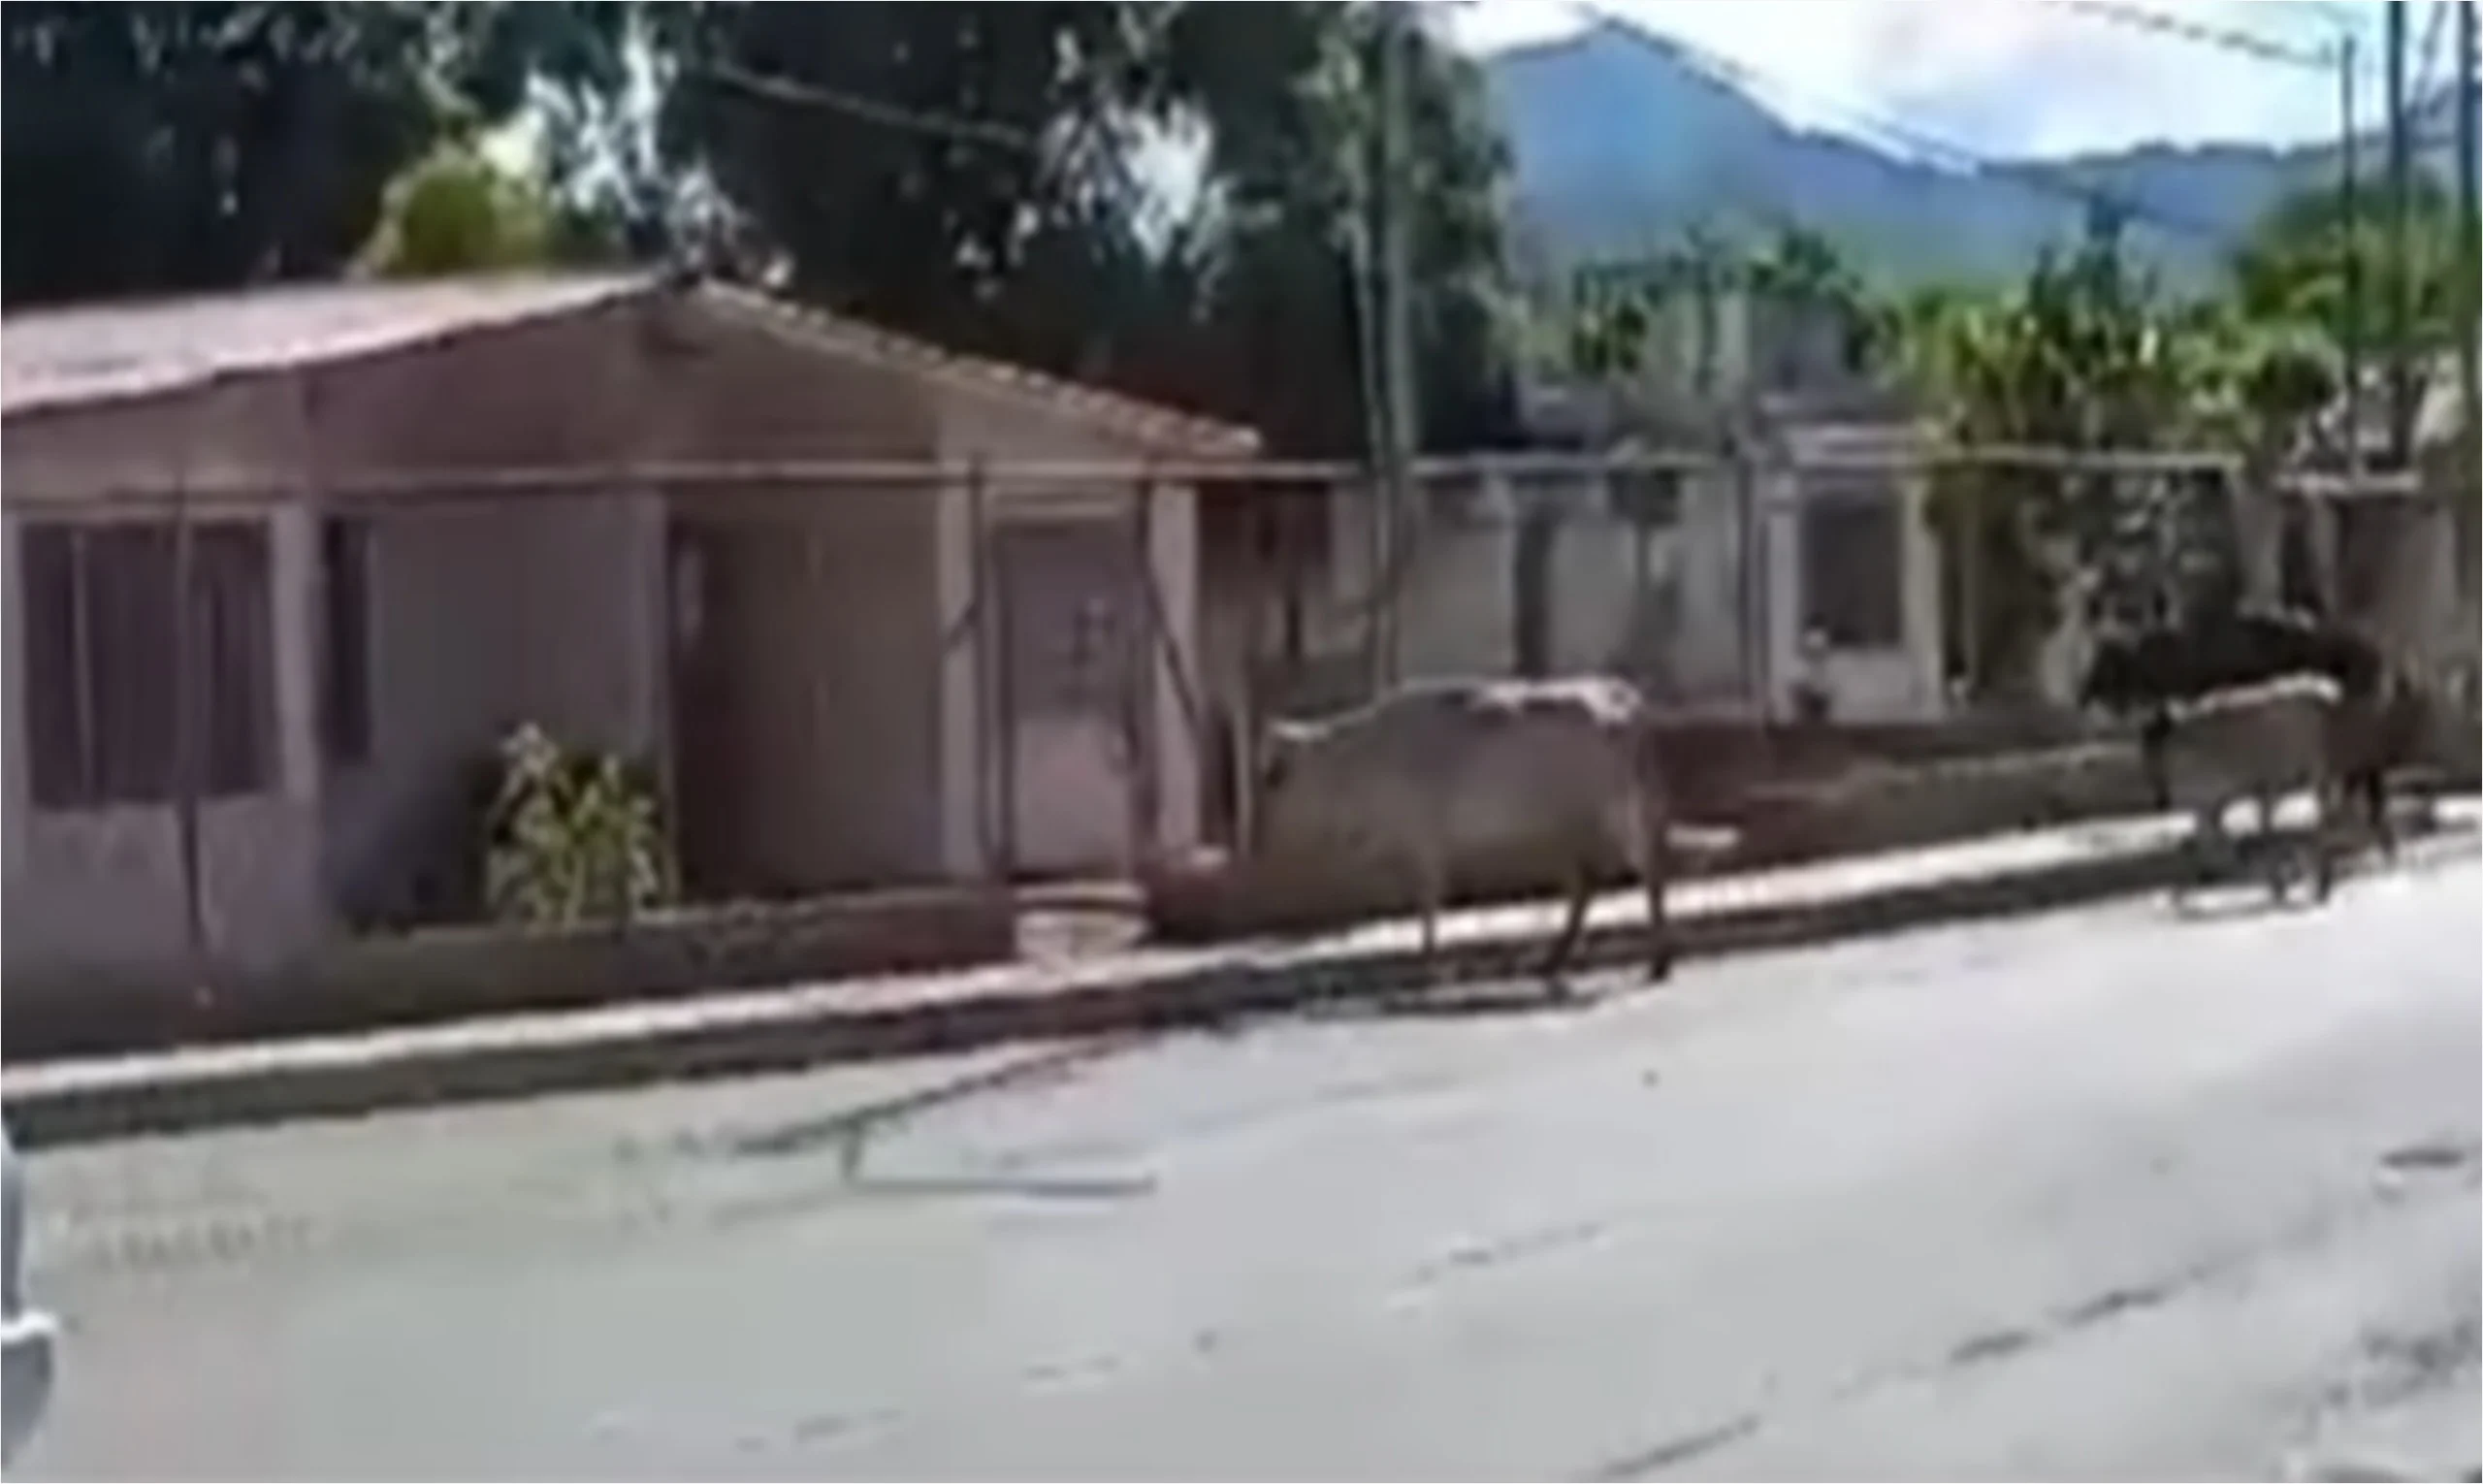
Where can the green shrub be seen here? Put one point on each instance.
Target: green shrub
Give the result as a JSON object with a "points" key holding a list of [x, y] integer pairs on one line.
{"points": [[573, 837]]}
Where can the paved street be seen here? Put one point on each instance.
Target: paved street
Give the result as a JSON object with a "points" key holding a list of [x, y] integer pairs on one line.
{"points": [[2101, 1195]]}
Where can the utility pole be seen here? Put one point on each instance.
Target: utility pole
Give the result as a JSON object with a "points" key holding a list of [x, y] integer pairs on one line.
{"points": [[2350, 246], [2468, 490], [1401, 436], [2399, 279]]}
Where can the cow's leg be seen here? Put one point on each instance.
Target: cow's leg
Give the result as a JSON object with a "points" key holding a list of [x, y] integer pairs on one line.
{"points": [[2150, 752], [2323, 862], [2371, 784], [1573, 922], [1652, 859], [2272, 860], [2206, 835], [1430, 877]]}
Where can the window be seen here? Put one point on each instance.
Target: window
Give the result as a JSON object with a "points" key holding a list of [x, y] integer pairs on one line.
{"points": [[344, 652], [104, 690], [1853, 566], [1645, 497]]}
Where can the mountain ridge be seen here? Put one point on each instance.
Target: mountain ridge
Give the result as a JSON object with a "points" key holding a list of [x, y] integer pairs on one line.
{"points": [[1578, 114]]}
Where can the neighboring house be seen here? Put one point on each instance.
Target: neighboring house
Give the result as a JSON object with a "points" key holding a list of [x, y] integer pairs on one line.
{"points": [[426, 512], [1701, 584], [1732, 360]]}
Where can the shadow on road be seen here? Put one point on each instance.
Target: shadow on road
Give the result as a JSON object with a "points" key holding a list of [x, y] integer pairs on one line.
{"points": [[1126, 1188], [1457, 1004], [863, 1188]]}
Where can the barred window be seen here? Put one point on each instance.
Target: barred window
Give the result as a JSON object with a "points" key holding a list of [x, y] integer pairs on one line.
{"points": [[103, 678]]}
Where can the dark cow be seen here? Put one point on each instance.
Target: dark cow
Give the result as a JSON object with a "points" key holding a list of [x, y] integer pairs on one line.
{"points": [[2146, 672]]}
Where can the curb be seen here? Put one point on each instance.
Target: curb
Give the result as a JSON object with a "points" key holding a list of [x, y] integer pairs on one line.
{"points": [[66, 1105]]}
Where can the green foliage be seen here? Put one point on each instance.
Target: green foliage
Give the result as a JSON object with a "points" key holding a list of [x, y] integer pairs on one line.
{"points": [[158, 148], [455, 211], [574, 838], [2294, 268], [1614, 308], [1033, 235], [2085, 354]]}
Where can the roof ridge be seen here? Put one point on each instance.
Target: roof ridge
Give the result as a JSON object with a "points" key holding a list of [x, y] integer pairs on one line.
{"points": [[309, 288], [993, 374], [107, 350]]}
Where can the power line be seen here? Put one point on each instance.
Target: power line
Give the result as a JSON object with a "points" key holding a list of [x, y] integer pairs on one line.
{"points": [[2226, 39], [2327, 58], [871, 110], [2035, 176], [2433, 32]]}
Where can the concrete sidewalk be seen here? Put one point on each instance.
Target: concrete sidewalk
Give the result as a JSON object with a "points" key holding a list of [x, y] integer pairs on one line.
{"points": [[749, 1033]]}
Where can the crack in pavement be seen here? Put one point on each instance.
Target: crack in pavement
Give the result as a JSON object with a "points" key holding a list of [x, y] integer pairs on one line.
{"points": [[2440, 1155], [1674, 1451], [2427, 1357], [850, 1127]]}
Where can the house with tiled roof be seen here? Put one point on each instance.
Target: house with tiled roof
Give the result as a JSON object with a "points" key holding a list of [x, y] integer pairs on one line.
{"points": [[875, 613]]}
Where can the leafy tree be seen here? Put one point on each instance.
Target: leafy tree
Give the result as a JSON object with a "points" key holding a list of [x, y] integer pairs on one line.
{"points": [[2085, 354], [1287, 97], [180, 147], [956, 171], [455, 211], [2291, 275], [971, 173], [1795, 276]]}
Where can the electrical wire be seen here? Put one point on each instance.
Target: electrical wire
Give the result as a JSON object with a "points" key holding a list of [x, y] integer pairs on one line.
{"points": [[2433, 32], [937, 125], [2033, 175], [2226, 39]]}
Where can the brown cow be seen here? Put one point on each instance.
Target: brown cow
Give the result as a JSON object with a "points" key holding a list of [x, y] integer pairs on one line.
{"points": [[1435, 767]]}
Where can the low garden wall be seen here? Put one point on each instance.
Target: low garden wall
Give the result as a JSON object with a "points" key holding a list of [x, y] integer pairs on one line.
{"points": [[454, 973]]}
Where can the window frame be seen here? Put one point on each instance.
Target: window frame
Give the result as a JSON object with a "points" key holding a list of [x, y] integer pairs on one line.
{"points": [[1823, 503], [114, 716]]}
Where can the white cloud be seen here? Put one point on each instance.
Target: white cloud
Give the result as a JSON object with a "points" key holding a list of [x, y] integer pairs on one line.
{"points": [[2002, 76]]}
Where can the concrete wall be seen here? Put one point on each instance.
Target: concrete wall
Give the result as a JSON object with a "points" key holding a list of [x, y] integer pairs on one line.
{"points": [[823, 774], [1072, 793], [1665, 605], [1709, 618], [482, 618], [487, 609], [827, 609], [2411, 597], [104, 887]]}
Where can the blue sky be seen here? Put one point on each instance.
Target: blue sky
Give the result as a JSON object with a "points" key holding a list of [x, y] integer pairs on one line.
{"points": [[2010, 77]]}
